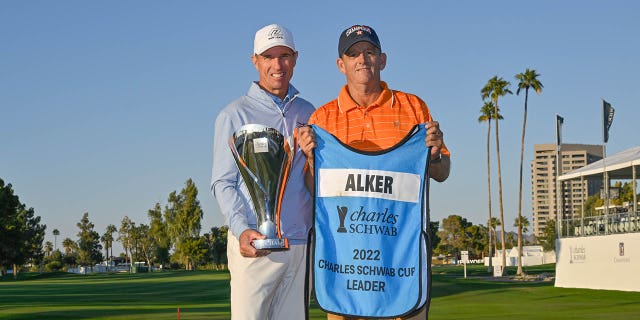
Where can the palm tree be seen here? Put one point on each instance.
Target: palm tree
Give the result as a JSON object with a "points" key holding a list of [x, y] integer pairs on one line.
{"points": [[48, 248], [494, 89], [106, 240], [494, 225], [486, 114], [525, 225], [56, 233], [68, 245], [109, 235], [527, 79]]}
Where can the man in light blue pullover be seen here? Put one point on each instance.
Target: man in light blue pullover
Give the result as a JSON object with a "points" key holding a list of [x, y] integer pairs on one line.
{"points": [[265, 284]]}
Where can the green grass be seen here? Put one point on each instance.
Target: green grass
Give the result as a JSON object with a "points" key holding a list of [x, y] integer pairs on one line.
{"points": [[480, 297], [205, 295]]}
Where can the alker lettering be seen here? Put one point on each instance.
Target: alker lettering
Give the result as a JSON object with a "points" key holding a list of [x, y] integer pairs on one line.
{"points": [[369, 183]]}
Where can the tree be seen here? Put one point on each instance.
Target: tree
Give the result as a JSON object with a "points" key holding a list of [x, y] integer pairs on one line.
{"points": [[193, 251], [125, 236], [218, 240], [487, 113], [9, 228], [453, 235], [48, 248], [524, 225], [21, 234], [9, 204], [434, 226], [53, 262], [548, 238], [32, 238], [477, 236], [511, 240], [626, 193], [56, 233], [144, 243], [158, 232], [526, 80], [495, 222], [183, 216], [69, 246], [89, 248], [70, 252], [108, 239], [494, 89]]}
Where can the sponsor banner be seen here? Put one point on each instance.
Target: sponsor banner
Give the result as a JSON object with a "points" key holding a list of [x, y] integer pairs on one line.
{"points": [[608, 262]]}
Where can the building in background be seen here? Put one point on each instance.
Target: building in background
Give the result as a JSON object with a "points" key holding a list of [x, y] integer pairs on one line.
{"points": [[543, 181]]}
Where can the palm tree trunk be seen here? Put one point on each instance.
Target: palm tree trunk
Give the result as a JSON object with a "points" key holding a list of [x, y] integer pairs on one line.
{"points": [[489, 189], [495, 238], [504, 249], [524, 127]]}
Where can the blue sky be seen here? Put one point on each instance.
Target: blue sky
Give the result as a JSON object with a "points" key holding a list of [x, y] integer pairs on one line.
{"points": [[107, 107]]}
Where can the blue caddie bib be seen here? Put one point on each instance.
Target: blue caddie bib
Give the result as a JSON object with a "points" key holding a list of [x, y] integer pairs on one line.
{"points": [[370, 245]]}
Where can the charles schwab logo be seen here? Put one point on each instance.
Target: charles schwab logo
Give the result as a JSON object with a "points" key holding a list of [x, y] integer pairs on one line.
{"points": [[366, 221]]}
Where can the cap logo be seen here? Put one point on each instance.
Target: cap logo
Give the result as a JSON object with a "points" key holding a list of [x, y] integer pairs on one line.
{"points": [[275, 33], [358, 30]]}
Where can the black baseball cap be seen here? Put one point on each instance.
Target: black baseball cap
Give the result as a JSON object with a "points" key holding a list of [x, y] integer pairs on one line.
{"points": [[355, 34]]}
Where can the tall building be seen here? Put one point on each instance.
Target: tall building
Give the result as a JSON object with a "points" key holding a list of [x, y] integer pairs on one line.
{"points": [[543, 181]]}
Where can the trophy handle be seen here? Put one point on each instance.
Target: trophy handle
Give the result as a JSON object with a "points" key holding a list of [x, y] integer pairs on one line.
{"points": [[290, 154]]}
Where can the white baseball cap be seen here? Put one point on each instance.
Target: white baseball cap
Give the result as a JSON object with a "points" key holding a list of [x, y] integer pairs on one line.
{"points": [[271, 36]]}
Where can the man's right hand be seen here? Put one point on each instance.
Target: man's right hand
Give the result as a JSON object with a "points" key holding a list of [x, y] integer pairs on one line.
{"points": [[306, 141], [247, 249]]}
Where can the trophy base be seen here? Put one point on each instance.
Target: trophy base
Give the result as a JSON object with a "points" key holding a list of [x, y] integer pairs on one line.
{"points": [[271, 244]]}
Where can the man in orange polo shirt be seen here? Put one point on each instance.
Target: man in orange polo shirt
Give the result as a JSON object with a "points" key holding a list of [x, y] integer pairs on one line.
{"points": [[369, 116]]}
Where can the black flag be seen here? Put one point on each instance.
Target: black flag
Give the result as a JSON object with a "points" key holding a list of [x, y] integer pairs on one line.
{"points": [[607, 119], [559, 122]]}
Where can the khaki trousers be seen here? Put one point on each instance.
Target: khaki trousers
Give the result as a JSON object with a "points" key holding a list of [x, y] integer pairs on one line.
{"points": [[269, 287]]}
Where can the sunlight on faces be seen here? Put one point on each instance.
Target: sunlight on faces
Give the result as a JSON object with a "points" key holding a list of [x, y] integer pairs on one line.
{"points": [[362, 63], [275, 67]]}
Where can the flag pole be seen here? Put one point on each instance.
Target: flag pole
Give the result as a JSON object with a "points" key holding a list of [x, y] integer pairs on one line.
{"points": [[605, 176], [559, 122]]}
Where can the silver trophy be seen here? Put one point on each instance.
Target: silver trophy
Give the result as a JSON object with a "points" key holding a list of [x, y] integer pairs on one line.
{"points": [[264, 158]]}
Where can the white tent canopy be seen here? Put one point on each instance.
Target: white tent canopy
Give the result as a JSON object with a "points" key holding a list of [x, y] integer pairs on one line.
{"points": [[618, 166]]}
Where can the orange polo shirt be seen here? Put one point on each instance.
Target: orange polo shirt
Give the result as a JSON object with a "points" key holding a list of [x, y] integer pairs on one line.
{"points": [[376, 127]]}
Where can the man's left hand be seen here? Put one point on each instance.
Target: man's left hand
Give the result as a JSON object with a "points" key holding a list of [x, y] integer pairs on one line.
{"points": [[434, 139]]}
